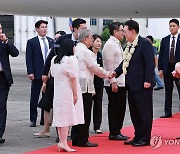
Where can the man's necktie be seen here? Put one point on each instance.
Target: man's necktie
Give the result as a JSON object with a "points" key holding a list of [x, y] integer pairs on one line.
{"points": [[171, 57], [45, 48]]}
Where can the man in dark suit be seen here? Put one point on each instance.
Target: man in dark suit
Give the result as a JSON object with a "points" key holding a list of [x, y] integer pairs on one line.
{"points": [[36, 52], [6, 80], [138, 67], [168, 56]]}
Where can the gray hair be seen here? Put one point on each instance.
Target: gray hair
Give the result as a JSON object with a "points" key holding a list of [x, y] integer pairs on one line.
{"points": [[82, 34]]}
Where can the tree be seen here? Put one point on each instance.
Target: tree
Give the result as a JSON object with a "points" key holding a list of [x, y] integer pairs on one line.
{"points": [[105, 34]]}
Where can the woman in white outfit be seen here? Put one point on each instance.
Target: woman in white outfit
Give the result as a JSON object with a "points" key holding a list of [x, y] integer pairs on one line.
{"points": [[67, 104]]}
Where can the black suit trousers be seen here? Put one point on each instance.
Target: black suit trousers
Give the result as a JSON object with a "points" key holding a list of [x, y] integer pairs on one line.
{"points": [[97, 108], [80, 133], [116, 109], [169, 84], [4, 90], [35, 92], [141, 112]]}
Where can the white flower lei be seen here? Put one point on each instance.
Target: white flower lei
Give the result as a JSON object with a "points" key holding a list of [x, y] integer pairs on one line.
{"points": [[127, 54]]}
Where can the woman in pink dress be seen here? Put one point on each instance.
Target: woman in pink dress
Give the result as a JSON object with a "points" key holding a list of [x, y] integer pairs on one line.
{"points": [[67, 103]]}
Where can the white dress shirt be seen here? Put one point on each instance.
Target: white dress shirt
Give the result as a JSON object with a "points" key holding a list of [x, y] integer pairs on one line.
{"points": [[1, 69], [87, 68], [112, 57], [42, 46]]}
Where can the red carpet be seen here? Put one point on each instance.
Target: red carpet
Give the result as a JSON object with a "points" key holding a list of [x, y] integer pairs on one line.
{"points": [[167, 129]]}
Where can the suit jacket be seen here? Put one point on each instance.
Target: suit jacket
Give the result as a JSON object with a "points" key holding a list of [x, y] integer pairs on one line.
{"points": [[164, 53], [141, 66], [5, 51], [53, 53], [34, 57]]}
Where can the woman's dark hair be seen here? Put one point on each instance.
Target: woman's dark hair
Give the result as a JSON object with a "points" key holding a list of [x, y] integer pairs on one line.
{"points": [[65, 49], [95, 36], [150, 37], [61, 32]]}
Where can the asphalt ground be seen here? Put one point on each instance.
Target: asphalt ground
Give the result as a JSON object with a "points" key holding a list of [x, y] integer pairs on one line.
{"points": [[19, 136]]}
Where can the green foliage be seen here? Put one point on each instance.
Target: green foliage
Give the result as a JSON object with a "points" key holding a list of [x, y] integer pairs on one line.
{"points": [[105, 34], [157, 44]]}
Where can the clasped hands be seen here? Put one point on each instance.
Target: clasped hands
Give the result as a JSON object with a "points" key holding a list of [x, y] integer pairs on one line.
{"points": [[112, 74]]}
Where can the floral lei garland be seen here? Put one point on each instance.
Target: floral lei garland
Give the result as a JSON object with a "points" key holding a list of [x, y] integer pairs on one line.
{"points": [[127, 54]]}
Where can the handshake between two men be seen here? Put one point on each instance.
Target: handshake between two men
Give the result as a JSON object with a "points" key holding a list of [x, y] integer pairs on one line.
{"points": [[113, 74]]}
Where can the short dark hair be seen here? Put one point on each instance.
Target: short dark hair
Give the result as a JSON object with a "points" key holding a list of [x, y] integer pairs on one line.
{"points": [[95, 36], [61, 32], [114, 26], [175, 21], [150, 37], [38, 23], [132, 25], [76, 23]]}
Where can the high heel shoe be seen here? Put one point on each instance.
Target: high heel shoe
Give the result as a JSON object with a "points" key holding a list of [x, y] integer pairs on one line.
{"points": [[66, 148]]}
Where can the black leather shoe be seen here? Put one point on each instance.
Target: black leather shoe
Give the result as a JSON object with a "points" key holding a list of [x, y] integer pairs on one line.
{"points": [[88, 144], [118, 137], [166, 116], [140, 143], [32, 124], [158, 88], [177, 138], [57, 140], [130, 142], [2, 140]]}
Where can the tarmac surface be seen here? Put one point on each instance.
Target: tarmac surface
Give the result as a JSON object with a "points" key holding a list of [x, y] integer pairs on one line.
{"points": [[19, 136]]}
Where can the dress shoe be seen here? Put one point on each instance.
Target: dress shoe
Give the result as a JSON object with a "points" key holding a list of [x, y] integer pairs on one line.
{"points": [[166, 116], [41, 135], [119, 137], [88, 144], [2, 140], [65, 148], [140, 143], [130, 142], [57, 140], [177, 138], [32, 124], [158, 88], [98, 131]]}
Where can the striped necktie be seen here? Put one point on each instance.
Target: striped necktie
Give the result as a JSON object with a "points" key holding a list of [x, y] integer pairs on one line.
{"points": [[45, 48], [171, 57]]}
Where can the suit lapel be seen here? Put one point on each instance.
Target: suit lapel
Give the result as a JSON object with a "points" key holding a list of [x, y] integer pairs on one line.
{"points": [[50, 42], [1, 47], [177, 44], [38, 46]]}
